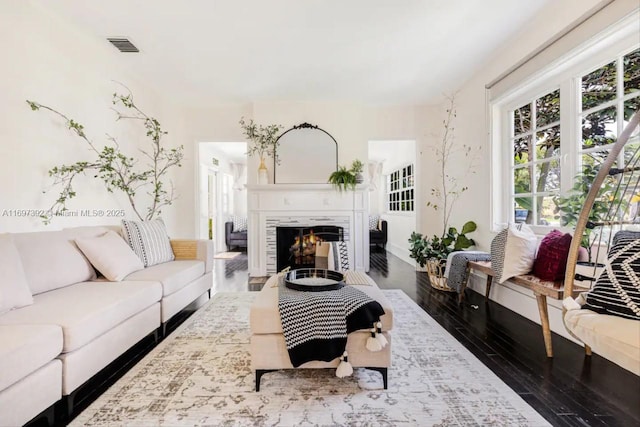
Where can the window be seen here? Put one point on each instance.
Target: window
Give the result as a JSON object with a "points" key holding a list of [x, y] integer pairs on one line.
{"points": [[400, 191], [560, 127], [535, 139]]}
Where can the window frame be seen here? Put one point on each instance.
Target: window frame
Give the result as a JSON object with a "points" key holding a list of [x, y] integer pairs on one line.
{"points": [[567, 78], [412, 188]]}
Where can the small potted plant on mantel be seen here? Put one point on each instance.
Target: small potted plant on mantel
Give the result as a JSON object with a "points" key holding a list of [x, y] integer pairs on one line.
{"points": [[433, 251], [346, 179], [263, 142]]}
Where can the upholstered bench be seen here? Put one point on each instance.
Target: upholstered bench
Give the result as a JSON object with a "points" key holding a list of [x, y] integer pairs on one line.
{"points": [[268, 350]]}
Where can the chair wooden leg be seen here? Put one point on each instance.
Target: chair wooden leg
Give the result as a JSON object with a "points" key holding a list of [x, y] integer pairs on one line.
{"points": [[544, 320], [488, 288], [587, 350]]}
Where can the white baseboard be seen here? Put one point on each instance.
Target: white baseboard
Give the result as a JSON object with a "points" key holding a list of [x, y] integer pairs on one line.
{"points": [[401, 253]]}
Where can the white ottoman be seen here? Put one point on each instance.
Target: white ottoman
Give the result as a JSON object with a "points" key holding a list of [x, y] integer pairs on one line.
{"points": [[268, 350]]}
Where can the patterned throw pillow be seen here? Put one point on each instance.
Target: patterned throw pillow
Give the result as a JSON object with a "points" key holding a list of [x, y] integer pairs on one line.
{"points": [[551, 260], [497, 254], [149, 240], [373, 222], [340, 252], [617, 290], [239, 223]]}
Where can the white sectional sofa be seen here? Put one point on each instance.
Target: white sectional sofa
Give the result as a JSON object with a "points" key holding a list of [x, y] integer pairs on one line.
{"points": [[80, 322]]}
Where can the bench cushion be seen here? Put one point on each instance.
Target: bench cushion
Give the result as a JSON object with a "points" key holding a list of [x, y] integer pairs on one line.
{"points": [[173, 275], [264, 317], [25, 349], [87, 310], [616, 338]]}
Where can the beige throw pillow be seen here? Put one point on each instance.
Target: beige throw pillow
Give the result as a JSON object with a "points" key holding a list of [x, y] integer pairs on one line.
{"points": [[110, 255], [519, 252], [14, 289]]}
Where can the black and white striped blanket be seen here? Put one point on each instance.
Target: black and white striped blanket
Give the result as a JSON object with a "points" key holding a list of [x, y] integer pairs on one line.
{"points": [[316, 324]]}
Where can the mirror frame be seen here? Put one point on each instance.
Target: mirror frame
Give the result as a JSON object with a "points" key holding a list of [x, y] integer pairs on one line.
{"points": [[304, 125]]}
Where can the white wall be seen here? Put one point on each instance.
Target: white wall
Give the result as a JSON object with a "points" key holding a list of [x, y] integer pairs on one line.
{"points": [[49, 61]]}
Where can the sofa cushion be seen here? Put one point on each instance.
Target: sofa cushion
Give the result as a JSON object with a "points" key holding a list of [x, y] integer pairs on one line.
{"points": [[264, 317], [14, 289], [87, 310], [173, 275], [149, 240], [51, 260], [110, 255], [26, 348]]}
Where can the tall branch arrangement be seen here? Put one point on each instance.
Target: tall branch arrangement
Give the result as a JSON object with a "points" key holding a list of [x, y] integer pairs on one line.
{"points": [[264, 139], [449, 191], [117, 170]]}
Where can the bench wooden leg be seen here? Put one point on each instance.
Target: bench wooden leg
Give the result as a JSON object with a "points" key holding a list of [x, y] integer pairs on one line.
{"points": [[488, 288], [587, 350], [544, 320]]}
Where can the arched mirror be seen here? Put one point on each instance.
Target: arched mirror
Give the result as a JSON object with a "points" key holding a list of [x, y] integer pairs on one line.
{"points": [[307, 154]]}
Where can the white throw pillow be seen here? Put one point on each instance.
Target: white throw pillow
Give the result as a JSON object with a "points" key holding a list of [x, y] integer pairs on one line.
{"points": [[110, 255], [149, 240], [14, 289], [520, 251]]}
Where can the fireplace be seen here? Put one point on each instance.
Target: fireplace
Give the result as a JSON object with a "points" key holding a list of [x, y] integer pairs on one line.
{"points": [[296, 246]]}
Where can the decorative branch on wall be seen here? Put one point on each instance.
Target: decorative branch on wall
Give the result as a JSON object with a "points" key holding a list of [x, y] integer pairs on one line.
{"points": [[117, 170]]}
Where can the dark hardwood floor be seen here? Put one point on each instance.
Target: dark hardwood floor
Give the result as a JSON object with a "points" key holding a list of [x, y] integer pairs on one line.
{"points": [[568, 390]]}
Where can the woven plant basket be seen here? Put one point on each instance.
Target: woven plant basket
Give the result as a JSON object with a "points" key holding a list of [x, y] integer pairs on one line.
{"points": [[435, 271]]}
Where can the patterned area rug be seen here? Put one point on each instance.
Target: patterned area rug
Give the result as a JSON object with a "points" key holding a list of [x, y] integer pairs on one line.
{"points": [[201, 375], [226, 255]]}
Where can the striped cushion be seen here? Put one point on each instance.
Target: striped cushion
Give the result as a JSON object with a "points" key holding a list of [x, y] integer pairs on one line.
{"points": [[497, 254], [340, 252], [617, 290], [149, 240]]}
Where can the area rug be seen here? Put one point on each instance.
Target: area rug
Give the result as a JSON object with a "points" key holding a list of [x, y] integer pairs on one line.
{"points": [[226, 255], [201, 375]]}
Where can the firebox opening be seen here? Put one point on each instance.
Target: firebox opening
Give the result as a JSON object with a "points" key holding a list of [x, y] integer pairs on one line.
{"points": [[296, 246]]}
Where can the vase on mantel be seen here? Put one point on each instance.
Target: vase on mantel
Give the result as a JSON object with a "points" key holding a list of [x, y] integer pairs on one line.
{"points": [[263, 175]]}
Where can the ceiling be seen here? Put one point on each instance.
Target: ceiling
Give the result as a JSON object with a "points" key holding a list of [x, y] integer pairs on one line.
{"points": [[377, 52]]}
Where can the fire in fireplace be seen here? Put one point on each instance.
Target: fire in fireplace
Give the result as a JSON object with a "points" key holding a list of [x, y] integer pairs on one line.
{"points": [[296, 246]]}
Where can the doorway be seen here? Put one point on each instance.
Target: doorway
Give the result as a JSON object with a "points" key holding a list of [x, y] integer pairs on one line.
{"points": [[394, 191], [222, 190]]}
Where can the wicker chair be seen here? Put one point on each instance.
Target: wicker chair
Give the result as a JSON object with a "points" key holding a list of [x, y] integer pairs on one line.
{"points": [[616, 338]]}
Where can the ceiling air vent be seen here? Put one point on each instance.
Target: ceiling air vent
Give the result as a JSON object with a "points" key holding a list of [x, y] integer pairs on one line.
{"points": [[122, 44]]}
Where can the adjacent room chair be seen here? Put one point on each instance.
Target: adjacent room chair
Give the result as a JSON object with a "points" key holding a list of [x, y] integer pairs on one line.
{"points": [[233, 238], [378, 236]]}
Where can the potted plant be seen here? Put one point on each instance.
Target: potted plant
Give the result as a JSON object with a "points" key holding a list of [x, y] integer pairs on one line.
{"points": [[343, 179], [433, 251], [356, 168], [346, 179], [263, 141]]}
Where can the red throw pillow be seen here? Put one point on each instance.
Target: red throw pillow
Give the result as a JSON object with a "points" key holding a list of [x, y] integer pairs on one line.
{"points": [[551, 261]]}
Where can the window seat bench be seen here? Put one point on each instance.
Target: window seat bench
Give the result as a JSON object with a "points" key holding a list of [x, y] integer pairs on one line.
{"points": [[541, 289]]}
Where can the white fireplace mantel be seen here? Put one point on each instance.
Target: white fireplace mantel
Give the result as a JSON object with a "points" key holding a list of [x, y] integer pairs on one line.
{"points": [[304, 205]]}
